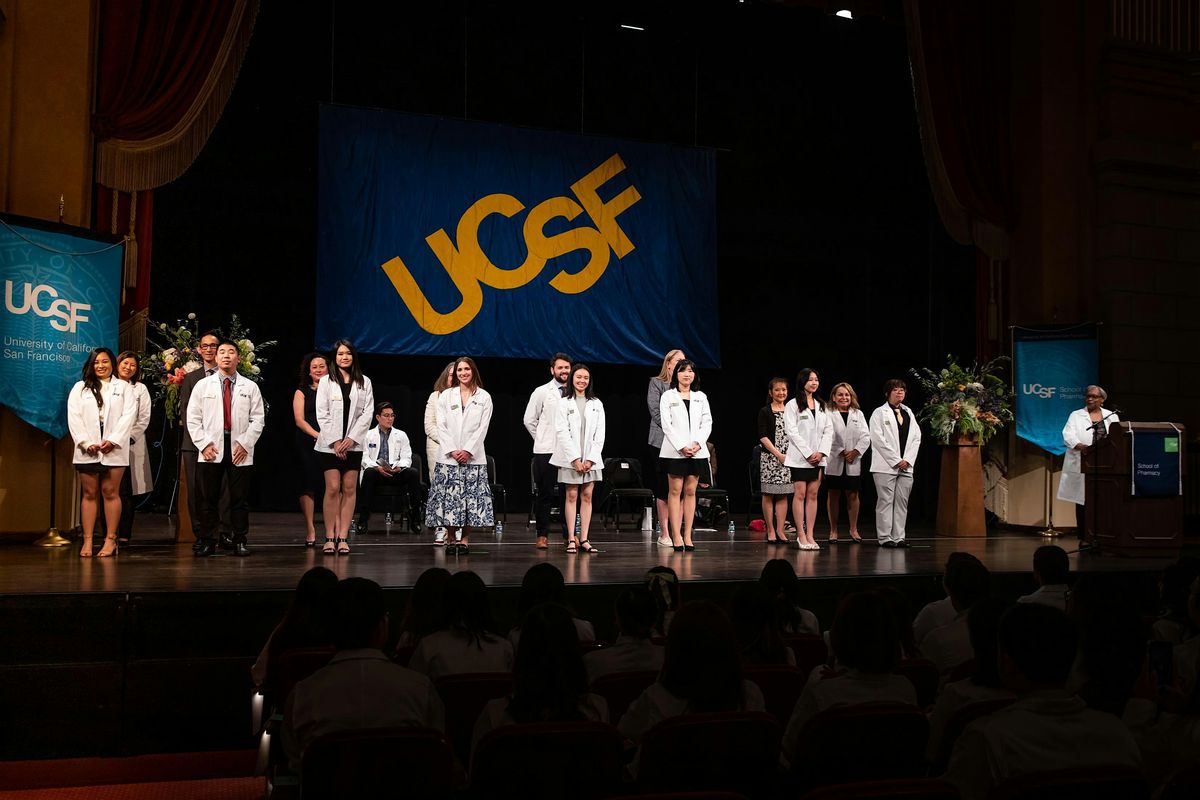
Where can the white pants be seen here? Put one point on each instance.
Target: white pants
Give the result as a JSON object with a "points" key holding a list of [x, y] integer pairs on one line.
{"points": [[891, 507]]}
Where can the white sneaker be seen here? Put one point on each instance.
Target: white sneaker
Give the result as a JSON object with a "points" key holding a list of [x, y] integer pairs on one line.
{"points": [[439, 536], [665, 541]]}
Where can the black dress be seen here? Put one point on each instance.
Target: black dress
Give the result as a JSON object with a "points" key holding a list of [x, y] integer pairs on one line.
{"points": [[312, 479]]}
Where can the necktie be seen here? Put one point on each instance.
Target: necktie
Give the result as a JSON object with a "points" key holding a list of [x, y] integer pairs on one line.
{"points": [[899, 415], [227, 402], [383, 449]]}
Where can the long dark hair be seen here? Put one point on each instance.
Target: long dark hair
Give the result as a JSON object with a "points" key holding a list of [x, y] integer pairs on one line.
{"points": [[309, 618], [701, 663], [90, 381], [305, 363], [757, 627], [779, 581], [663, 585], [568, 389], [424, 613], [137, 375], [685, 362], [548, 676], [802, 393], [466, 606], [356, 374], [542, 583]]}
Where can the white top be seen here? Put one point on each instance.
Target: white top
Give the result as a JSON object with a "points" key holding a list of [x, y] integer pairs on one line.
{"points": [[627, 654], [809, 430], [566, 426], [462, 428], [583, 631], [399, 450], [1053, 594], [84, 418], [1078, 430], [329, 413], [139, 455], [453, 652], [851, 434], [657, 703], [949, 645], [933, 615], [885, 440], [950, 700], [206, 416], [593, 707], [684, 425], [539, 415]]}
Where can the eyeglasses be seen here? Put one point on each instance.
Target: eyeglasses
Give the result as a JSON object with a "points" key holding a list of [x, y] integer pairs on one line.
{"points": [[207, 347]]}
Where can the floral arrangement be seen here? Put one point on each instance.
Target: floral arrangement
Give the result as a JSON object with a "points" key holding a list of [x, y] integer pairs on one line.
{"points": [[174, 353], [972, 402]]}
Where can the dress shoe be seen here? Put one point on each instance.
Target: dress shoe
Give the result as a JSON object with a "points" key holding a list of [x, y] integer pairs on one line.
{"points": [[888, 543], [240, 549], [196, 546], [901, 543], [226, 541], [206, 548]]}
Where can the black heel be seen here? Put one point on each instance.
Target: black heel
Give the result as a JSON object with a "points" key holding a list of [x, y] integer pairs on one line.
{"points": [[689, 547]]}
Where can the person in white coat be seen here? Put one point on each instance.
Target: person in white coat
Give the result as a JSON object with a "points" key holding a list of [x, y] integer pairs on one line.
{"points": [[843, 470], [345, 402], [137, 479], [461, 497], [895, 442], [100, 414], [578, 452], [686, 419], [225, 418], [1085, 427], [810, 437], [387, 461], [445, 379], [539, 420]]}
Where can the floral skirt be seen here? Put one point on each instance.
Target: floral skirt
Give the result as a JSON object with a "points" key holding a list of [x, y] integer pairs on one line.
{"points": [[460, 497]]}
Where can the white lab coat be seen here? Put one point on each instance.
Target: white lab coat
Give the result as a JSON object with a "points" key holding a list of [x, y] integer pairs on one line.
{"points": [[853, 434], [83, 421], [329, 414], [539, 416], [431, 434], [1078, 430], [139, 456], [566, 425], [463, 429], [206, 417], [399, 450], [680, 428], [809, 431], [885, 440]]}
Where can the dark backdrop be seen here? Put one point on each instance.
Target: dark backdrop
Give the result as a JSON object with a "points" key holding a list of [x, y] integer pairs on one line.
{"points": [[830, 252]]}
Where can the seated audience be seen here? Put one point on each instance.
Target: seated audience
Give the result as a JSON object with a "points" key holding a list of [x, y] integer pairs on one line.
{"points": [[423, 614], [753, 614], [549, 679], [663, 585], [901, 608], [1047, 728], [360, 689], [1051, 570], [949, 645], [779, 580], [1112, 641], [632, 651], [305, 624], [543, 583], [866, 644], [941, 612], [1174, 624], [465, 642]]}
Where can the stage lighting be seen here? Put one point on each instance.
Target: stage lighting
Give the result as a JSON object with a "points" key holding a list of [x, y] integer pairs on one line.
{"points": [[633, 27], [845, 13]]}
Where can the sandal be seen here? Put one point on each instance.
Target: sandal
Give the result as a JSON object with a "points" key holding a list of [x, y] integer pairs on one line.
{"points": [[464, 549], [572, 546], [86, 550], [833, 539], [856, 539], [585, 546], [330, 546], [104, 551], [343, 547]]}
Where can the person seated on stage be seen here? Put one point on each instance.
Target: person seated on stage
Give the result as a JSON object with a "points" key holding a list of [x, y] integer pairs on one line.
{"points": [[543, 583], [702, 673], [983, 684], [387, 462], [759, 638], [633, 651], [1051, 570], [1047, 728], [1174, 624], [663, 585], [866, 645], [308, 622], [1112, 640], [779, 580], [938, 613], [423, 614], [465, 642], [360, 688], [549, 679], [949, 645]]}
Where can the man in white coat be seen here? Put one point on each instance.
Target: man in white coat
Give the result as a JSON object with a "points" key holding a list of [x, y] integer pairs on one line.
{"points": [[225, 417], [387, 462], [539, 421], [1084, 427], [188, 453], [895, 441]]}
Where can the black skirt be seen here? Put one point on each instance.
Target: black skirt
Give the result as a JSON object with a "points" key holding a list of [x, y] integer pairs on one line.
{"points": [[312, 479], [93, 468], [845, 483], [683, 467], [806, 474], [352, 461]]}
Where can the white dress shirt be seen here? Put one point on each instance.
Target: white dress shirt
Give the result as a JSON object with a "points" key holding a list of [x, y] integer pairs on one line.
{"points": [[627, 654], [453, 652]]}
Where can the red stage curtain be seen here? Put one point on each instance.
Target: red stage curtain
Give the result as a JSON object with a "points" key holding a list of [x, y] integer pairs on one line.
{"points": [[961, 63]]}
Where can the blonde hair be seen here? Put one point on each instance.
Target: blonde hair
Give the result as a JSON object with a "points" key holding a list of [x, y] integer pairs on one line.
{"points": [[832, 406], [664, 375], [443, 379]]}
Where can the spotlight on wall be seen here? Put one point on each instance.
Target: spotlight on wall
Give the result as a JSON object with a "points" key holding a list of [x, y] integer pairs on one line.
{"points": [[844, 13]]}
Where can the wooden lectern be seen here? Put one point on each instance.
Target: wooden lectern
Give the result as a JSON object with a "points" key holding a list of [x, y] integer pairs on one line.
{"points": [[1117, 520]]}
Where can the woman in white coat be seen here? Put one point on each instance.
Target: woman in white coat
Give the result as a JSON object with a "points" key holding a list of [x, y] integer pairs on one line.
{"points": [[345, 404], [461, 497], [895, 442], [843, 470], [431, 433], [578, 452], [100, 414], [137, 479], [1085, 427], [686, 419], [810, 438]]}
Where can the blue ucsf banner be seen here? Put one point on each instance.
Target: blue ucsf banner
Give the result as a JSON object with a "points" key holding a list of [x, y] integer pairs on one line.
{"points": [[62, 292], [1052, 369], [446, 237]]}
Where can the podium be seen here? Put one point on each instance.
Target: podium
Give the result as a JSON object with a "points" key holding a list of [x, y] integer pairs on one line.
{"points": [[1115, 518]]}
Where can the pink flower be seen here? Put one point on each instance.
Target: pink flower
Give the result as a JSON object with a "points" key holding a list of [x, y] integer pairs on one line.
{"points": [[176, 377]]}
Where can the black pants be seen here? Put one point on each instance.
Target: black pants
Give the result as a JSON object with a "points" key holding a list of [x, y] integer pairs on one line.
{"points": [[1081, 523], [209, 478], [189, 458], [545, 475], [125, 528], [406, 481]]}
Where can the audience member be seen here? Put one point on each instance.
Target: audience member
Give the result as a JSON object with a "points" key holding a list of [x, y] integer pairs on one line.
{"points": [[1051, 570], [423, 615], [759, 640], [543, 583], [902, 613], [866, 644], [466, 642], [949, 645], [1047, 728], [1173, 624], [1112, 641], [632, 651], [941, 612], [307, 623], [663, 585], [360, 689], [779, 580]]}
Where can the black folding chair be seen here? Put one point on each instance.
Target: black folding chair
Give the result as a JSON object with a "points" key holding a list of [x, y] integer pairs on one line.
{"points": [[623, 479]]}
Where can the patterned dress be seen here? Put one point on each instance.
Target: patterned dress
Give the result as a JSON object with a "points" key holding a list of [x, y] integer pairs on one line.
{"points": [[776, 478]]}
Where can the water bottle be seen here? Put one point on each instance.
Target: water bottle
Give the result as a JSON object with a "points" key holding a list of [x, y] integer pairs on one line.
{"points": [[387, 518], [732, 529], [499, 529], [578, 526]]}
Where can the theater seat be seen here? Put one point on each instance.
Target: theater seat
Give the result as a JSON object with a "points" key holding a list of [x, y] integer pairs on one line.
{"points": [[464, 697], [909, 789], [780, 685], [548, 761], [924, 676], [1079, 783], [619, 689], [836, 745], [733, 751], [959, 722], [386, 762]]}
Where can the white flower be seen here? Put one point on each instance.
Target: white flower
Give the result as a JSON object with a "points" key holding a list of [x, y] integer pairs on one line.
{"points": [[250, 357], [162, 326], [192, 315], [170, 354], [255, 370], [191, 366], [245, 345]]}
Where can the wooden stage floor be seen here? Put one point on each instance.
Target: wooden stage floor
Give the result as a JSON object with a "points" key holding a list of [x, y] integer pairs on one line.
{"points": [[395, 560]]}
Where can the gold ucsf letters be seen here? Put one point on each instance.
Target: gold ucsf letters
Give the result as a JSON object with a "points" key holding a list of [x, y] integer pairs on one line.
{"points": [[469, 267]]}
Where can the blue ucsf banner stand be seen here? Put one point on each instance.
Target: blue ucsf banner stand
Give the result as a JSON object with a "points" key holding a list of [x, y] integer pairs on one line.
{"points": [[1052, 367]]}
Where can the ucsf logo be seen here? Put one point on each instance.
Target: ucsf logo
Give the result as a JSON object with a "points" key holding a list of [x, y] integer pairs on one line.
{"points": [[1039, 390], [470, 268], [67, 315]]}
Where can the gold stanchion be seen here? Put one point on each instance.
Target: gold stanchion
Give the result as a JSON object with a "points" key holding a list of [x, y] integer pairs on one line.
{"points": [[52, 537], [1049, 532]]}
